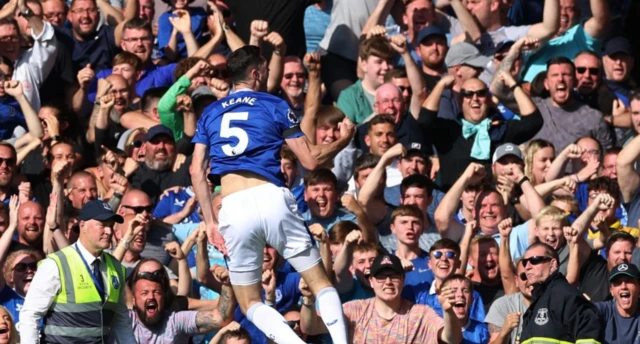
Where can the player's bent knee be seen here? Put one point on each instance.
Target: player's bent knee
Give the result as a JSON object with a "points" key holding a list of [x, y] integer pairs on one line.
{"points": [[306, 259], [245, 278]]}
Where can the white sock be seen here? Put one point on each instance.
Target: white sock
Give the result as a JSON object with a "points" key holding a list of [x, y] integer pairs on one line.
{"points": [[272, 324], [330, 307]]}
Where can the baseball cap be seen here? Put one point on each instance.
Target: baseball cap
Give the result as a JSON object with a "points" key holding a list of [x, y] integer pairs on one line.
{"points": [[504, 44], [465, 53], [386, 261], [624, 269], [617, 45], [507, 149], [201, 92], [429, 31], [159, 130], [98, 210]]}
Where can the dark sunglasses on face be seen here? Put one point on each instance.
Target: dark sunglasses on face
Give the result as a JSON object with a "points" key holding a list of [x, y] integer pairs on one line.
{"points": [[523, 277], [9, 161], [22, 267], [298, 75], [293, 323], [469, 94], [155, 276], [136, 144], [220, 73], [448, 254], [140, 209], [592, 70], [404, 88], [535, 260]]}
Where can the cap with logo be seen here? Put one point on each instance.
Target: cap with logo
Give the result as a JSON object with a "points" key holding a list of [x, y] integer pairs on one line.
{"points": [[158, 130], [625, 269], [507, 149], [386, 262], [98, 210], [465, 54], [429, 31]]}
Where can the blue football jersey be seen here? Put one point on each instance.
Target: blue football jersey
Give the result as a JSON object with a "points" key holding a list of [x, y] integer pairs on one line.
{"points": [[245, 131]]}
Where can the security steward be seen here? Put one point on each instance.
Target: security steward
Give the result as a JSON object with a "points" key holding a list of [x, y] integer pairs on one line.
{"points": [[558, 312], [79, 291]]}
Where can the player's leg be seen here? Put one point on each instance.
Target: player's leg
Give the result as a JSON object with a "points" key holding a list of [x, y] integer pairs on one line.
{"points": [[289, 235], [241, 227]]}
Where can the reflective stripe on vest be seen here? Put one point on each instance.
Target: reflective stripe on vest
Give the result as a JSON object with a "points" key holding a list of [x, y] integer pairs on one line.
{"points": [[543, 340], [77, 313]]}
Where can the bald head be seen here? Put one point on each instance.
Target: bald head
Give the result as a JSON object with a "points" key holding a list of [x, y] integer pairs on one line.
{"points": [[387, 91], [120, 92], [473, 83], [389, 101], [30, 224], [136, 202], [82, 189]]}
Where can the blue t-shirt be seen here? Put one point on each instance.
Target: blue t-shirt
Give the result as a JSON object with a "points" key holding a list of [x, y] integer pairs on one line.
{"points": [[11, 116], [152, 76], [475, 332], [316, 22], [175, 202], [338, 215], [198, 27], [618, 329], [430, 298], [421, 273], [287, 295], [357, 292], [245, 132], [13, 302], [99, 52]]}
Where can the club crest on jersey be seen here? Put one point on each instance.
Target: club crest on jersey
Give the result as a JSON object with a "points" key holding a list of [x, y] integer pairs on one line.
{"points": [[542, 317], [292, 116], [115, 282]]}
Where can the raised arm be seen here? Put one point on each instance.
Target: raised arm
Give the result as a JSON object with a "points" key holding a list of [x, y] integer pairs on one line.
{"points": [[557, 168], [377, 208], [344, 278], [598, 25], [467, 21], [313, 98], [369, 233], [184, 274], [320, 235], [507, 270], [432, 103], [276, 65], [498, 87], [215, 319], [628, 178], [112, 15], [545, 31], [416, 81], [378, 16], [452, 331], [6, 237], [130, 11], [470, 230], [215, 23], [35, 22]]}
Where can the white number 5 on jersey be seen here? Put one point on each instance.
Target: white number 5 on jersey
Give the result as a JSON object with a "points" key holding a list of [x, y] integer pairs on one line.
{"points": [[226, 131]]}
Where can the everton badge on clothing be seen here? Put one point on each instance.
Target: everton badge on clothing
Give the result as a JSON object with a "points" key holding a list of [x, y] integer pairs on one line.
{"points": [[542, 317], [115, 282]]}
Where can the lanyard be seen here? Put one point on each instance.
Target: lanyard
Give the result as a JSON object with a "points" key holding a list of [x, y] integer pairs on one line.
{"points": [[93, 276]]}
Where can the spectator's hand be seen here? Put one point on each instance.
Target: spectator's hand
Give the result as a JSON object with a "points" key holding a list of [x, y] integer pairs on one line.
{"points": [[14, 205], [475, 173], [269, 285], [216, 238], [304, 289], [599, 221], [349, 201], [24, 192], [507, 79], [396, 151], [312, 62], [591, 169], [604, 201], [527, 43], [505, 227], [180, 159], [355, 236], [511, 321], [399, 44], [190, 206], [136, 225], [221, 274], [618, 108], [85, 75], [471, 228], [318, 232], [407, 265], [53, 126], [233, 326], [62, 170], [106, 102], [448, 81], [51, 218], [215, 22], [118, 183], [174, 189], [514, 173], [259, 28], [131, 166], [201, 232], [446, 297], [174, 250], [104, 86], [13, 88], [154, 28], [435, 168], [220, 88], [276, 41], [182, 23], [571, 235], [347, 128], [505, 187], [197, 69], [183, 103], [110, 158], [377, 30], [573, 151]]}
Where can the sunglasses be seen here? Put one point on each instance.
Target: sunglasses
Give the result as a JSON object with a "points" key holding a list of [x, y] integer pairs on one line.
{"points": [[140, 209], [383, 278], [404, 88], [9, 161], [136, 143], [22, 267], [469, 94], [523, 277], [293, 323], [592, 70], [155, 276], [298, 75], [448, 254], [535, 260], [499, 57]]}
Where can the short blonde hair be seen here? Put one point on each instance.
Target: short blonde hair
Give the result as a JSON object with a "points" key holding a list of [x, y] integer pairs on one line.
{"points": [[529, 151], [551, 213]]}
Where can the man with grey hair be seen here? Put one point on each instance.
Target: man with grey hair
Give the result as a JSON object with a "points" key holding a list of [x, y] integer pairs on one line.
{"points": [[156, 173], [292, 85]]}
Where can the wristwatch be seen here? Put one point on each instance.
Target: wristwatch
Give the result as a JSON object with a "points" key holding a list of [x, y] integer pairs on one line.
{"points": [[53, 229], [28, 13], [55, 138]]}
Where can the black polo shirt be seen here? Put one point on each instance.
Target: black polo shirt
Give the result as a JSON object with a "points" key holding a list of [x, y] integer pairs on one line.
{"points": [[98, 51]]}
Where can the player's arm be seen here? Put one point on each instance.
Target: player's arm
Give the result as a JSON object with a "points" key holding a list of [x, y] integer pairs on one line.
{"points": [[311, 156]]}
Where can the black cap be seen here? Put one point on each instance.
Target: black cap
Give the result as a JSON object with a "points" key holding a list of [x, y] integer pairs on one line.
{"points": [[504, 45], [386, 261], [429, 31], [624, 269], [98, 210], [411, 152], [159, 130], [617, 45]]}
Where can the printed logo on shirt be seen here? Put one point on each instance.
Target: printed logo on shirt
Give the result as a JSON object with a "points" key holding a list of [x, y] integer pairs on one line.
{"points": [[115, 282], [422, 270], [416, 145], [542, 317], [292, 116], [278, 295], [179, 203]]}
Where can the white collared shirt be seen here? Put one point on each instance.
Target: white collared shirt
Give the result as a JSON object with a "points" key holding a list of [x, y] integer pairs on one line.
{"points": [[43, 290]]}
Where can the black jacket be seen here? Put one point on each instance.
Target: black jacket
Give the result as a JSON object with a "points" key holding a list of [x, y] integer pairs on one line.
{"points": [[560, 313]]}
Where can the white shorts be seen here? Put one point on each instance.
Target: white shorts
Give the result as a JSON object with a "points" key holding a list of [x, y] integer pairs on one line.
{"points": [[264, 214]]}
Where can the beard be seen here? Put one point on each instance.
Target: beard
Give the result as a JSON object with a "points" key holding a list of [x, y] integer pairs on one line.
{"points": [[158, 165], [149, 323]]}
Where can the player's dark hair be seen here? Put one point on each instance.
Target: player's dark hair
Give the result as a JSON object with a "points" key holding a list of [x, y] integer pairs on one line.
{"points": [[417, 181], [561, 60], [396, 73], [151, 97], [321, 175], [407, 210], [381, 119], [445, 244], [241, 62], [364, 162], [620, 236], [238, 334]]}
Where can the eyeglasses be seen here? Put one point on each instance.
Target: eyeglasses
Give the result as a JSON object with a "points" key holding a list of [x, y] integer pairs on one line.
{"points": [[22, 267], [447, 254], [136, 144], [6, 39], [523, 276], [140, 209], [469, 94], [293, 323], [155, 276], [592, 70], [136, 39], [53, 15], [85, 10], [535, 260], [10, 161], [404, 88], [383, 278], [298, 75]]}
